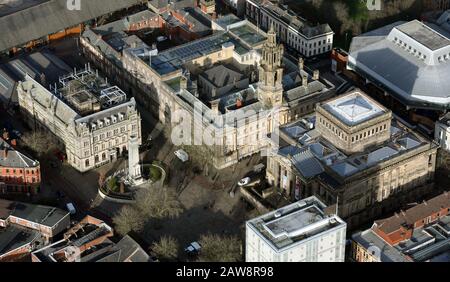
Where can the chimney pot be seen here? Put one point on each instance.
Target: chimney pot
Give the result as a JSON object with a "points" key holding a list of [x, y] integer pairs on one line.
{"points": [[301, 63], [316, 75], [305, 81]]}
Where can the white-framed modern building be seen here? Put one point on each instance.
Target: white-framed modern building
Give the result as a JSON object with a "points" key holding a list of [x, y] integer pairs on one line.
{"points": [[301, 232], [408, 60], [307, 39]]}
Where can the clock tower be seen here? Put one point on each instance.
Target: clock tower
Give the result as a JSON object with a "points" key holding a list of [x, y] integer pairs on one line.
{"points": [[270, 88]]}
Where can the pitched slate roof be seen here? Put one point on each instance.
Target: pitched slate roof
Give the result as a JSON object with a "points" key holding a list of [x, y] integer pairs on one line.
{"points": [[221, 75], [414, 214], [13, 158], [307, 164], [50, 17]]}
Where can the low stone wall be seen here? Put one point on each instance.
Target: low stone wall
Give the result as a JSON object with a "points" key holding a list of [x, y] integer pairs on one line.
{"points": [[254, 201], [114, 199]]}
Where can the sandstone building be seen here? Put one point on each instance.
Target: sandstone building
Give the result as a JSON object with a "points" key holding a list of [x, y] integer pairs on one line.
{"points": [[237, 81], [357, 156], [90, 118]]}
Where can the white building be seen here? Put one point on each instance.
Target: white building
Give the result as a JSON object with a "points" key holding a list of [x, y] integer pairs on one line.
{"points": [[92, 119], [299, 232], [291, 29], [408, 60], [442, 132]]}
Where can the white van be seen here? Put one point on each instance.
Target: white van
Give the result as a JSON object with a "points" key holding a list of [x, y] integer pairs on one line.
{"points": [[71, 208], [182, 155]]}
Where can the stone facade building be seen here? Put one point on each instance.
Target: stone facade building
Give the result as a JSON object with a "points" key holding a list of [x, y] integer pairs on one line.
{"points": [[172, 82], [387, 164], [90, 118], [294, 31], [353, 123]]}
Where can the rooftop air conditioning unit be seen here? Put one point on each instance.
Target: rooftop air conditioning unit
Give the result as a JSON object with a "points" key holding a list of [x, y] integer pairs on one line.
{"points": [[277, 214]]}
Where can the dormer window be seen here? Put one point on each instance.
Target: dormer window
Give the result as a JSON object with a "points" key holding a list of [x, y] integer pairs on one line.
{"points": [[114, 119], [100, 124], [121, 117], [107, 121], [94, 126]]}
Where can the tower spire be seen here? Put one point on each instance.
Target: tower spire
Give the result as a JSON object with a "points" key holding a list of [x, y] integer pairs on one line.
{"points": [[271, 71]]}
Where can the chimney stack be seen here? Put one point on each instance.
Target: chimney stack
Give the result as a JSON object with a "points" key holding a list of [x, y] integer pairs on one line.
{"points": [[4, 153], [183, 82], [305, 81], [215, 106], [301, 63], [316, 75]]}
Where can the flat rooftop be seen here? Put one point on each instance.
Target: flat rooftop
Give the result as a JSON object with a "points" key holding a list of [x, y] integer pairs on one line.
{"points": [[173, 59], [248, 34], [295, 222], [424, 35], [402, 140], [353, 108], [227, 20], [44, 215], [12, 238]]}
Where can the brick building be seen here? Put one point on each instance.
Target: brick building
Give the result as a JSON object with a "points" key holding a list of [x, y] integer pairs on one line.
{"points": [[420, 233], [18, 173], [89, 241], [23, 227]]}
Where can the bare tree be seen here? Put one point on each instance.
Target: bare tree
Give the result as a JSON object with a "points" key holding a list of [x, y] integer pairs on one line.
{"points": [[158, 203], [216, 248], [128, 219], [39, 142], [166, 249], [202, 156]]}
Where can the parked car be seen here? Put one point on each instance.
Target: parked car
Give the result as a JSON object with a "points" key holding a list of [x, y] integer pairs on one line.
{"points": [[193, 248], [71, 208], [161, 38], [182, 155], [244, 181], [259, 167]]}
